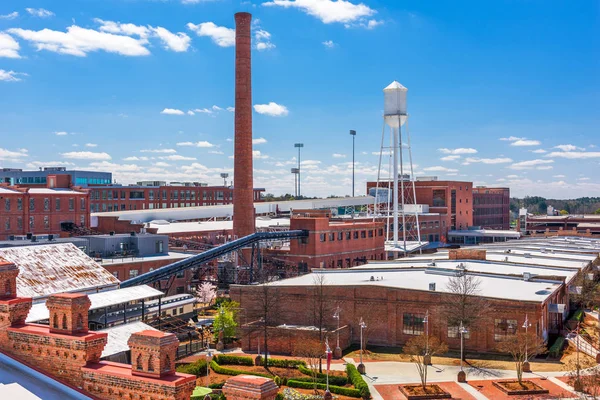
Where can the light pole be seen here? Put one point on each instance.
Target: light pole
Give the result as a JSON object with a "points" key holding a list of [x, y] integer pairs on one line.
{"points": [[427, 357], [462, 377], [225, 175], [361, 366], [299, 146], [526, 325], [338, 351], [295, 171], [208, 357], [353, 134], [220, 344]]}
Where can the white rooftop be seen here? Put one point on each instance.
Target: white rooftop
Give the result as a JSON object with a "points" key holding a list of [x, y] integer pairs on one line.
{"points": [[53, 191], [213, 226], [119, 335], [172, 255]]}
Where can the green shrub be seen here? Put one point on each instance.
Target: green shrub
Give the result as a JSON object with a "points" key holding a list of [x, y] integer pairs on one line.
{"points": [[216, 385], [358, 381], [279, 396], [335, 380], [332, 388], [577, 315], [230, 371], [224, 359], [285, 363], [277, 380], [198, 368], [556, 348]]}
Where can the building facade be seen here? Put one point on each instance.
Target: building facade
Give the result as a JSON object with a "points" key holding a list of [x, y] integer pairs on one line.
{"points": [[16, 176], [491, 208], [141, 197]]}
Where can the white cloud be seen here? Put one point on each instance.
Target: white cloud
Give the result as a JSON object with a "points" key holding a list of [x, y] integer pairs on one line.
{"points": [[329, 44], [190, 112], [373, 23], [222, 36], [113, 167], [263, 40], [460, 150], [216, 152], [338, 155], [531, 164], [261, 46], [9, 47], [574, 155], [260, 140], [511, 138], [272, 109], [497, 160], [39, 12], [203, 144], [439, 169], [172, 111], [123, 29], [61, 133], [450, 158], [512, 176], [177, 157], [135, 158], [544, 167], [10, 76], [11, 15], [203, 110], [538, 151], [178, 42], [216, 108], [583, 179], [230, 109], [328, 11], [91, 145], [86, 155], [559, 176], [258, 155], [38, 164], [162, 164], [12, 155], [568, 147], [526, 142], [163, 151], [79, 41]]}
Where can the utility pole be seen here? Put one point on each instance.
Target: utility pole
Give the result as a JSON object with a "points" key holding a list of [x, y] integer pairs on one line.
{"points": [[299, 146], [353, 134]]}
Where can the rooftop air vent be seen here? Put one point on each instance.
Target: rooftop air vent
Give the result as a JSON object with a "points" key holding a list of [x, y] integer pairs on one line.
{"points": [[526, 276]]}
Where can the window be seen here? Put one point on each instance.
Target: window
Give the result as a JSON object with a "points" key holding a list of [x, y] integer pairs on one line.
{"points": [[7, 204], [412, 324], [332, 237], [57, 204], [7, 224], [82, 220], [454, 332], [503, 328], [439, 198], [151, 363], [19, 223], [31, 223], [355, 234], [322, 237], [180, 310], [180, 274], [82, 203], [138, 362], [46, 222], [363, 234], [19, 204], [64, 321], [348, 235], [116, 274], [46, 204], [71, 204], [31, 204], [340, 235], [133, 273], [179, 290], [370, 233], [380, 232]]}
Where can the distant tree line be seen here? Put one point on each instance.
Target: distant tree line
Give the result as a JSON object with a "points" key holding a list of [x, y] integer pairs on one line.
{"points": [[539, 205]]}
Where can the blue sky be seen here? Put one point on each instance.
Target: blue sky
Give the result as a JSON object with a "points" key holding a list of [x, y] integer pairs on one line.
{"points": [[502, 93]]}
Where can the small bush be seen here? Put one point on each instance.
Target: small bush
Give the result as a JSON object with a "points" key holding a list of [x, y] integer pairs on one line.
{"points": [[358, 381], [233, 372], [216, 385], [556, 348], [279, 396], [577, 315], [224, 359], [198, 368], [285, 363], [332, 388], [335, 380], [277, 380]]}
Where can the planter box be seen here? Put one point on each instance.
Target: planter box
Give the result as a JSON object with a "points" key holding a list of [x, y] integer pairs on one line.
{"points": [[439, 393], [533, 388]]}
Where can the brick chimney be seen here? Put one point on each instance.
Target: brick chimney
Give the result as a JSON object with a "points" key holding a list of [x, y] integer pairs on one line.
{"points": [[243, 193], [68, 313], [13, 309], [153, 353]]}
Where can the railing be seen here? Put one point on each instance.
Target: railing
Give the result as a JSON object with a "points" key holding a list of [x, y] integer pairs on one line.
{"points": [[583, 345]]}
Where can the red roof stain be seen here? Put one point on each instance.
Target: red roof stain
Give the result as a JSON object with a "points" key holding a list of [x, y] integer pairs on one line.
{"points": [[70, 295], [124, 370], [157, 334]]}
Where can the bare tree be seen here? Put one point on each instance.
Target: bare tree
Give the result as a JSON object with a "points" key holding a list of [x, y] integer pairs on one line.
{"points": [[522, 346], [584, 377], [420, 346], [588, 292], [465, 306], [267, 309], [312, 351], [321, 309], [373, 319]]}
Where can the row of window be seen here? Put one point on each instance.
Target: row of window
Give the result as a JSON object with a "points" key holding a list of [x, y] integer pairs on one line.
{"points": [[151, 206], [46, 218], [161, 194], [46, 204]]}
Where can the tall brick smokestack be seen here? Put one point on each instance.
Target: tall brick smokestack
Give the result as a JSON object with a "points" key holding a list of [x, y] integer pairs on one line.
{"points": [[243, 192]]}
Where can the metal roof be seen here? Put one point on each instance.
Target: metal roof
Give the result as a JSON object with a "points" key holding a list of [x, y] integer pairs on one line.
{"points": [[56, 268], [119, 335], [39, 311]]}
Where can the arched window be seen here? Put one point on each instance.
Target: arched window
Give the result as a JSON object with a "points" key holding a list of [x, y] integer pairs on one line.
{"points": [[79, 321], [55, 321], [151, 363], [64, 324], [138, 362], [167, 363], [7, 287]]}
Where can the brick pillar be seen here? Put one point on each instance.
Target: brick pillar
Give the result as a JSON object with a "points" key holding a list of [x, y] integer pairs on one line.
{"points": [[243, 193], [247, 387], [13, 309], [153, 353], [68, 313]]}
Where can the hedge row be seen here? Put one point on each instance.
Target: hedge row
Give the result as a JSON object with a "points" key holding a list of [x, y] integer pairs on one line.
{"points": [[216, 385], [577, 315], [285, 363], [332, 388], [556, 348], [225, 359], [333, 380], [320, 376], [198, 368], [358, 381], [229, 371]]}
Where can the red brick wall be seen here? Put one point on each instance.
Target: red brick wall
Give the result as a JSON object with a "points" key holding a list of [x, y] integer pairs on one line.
{"points": [[466, 254], [113, 224], [282, 340]]}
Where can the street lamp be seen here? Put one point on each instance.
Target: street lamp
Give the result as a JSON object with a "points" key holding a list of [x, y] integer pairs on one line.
{"points": [[462, 377], [353, 134], [220, 344], [361, 366], [208, 358], [299, 146], [526, 325], [296, 172], [338, 351], [225, 175], [427, 358]]}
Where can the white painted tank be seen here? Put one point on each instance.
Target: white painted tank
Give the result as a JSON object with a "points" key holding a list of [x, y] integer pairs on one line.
{"points": [[394, 104]]}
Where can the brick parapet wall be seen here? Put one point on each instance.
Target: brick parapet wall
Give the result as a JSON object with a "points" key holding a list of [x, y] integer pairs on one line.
{"points": [[283, 340], [467, 254]]}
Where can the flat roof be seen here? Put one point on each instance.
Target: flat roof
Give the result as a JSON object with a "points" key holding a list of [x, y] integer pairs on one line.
{"points": [[485, 233], [39, 311], [119, 335], [53, 191], [165, 227], [507, 288], [172, 255]]}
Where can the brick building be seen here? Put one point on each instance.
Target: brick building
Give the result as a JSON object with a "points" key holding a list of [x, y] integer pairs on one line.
{"points": [[491, 207], [142, 197], [68, 352], [39, 178], [53, 209]]}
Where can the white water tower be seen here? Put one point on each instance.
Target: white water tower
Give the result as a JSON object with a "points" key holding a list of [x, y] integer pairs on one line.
{"points": [[395, 116]]}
